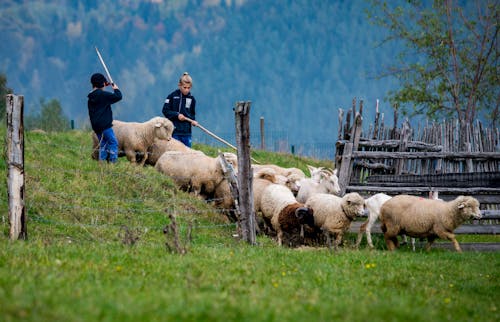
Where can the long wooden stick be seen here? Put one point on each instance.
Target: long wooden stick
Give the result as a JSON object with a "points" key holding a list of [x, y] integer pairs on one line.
{"points": [[216, 137], [104, 65]]}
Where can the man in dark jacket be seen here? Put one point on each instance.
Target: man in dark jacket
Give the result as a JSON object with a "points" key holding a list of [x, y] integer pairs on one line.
{"points": [[180, 108], [101, 116]]}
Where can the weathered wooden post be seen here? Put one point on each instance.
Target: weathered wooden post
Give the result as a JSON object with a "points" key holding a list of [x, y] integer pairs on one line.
{"points": [[15, 164], [245, 175]]}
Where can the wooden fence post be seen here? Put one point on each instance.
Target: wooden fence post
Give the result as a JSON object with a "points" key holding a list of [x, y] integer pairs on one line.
{"points": [[262, 137], [245, 175], [15, 164]]}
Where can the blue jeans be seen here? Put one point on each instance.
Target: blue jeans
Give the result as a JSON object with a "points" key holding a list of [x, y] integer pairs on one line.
{"points": [[186, 139], [108, 146]]}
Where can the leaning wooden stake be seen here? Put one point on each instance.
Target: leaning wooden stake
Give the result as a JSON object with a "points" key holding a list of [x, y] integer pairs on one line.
{"points": [[247, 217], [15, 164]]}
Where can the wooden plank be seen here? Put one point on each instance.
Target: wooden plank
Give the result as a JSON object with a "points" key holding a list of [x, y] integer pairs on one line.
{"points": [[399, 190], [426, 155]]}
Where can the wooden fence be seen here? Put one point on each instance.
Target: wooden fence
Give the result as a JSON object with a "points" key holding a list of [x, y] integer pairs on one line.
{"points": [[449, 157]]}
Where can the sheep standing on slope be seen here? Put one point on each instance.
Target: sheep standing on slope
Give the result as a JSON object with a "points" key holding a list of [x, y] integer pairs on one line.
{"points": [[136, 138], [159, 147], [288, 176], [333, 215], [425, 218], [328, 183], [287, 216], [195, 172]]}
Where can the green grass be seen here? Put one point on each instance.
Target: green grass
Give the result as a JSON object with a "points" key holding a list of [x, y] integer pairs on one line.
{"points": [[77, 264]]}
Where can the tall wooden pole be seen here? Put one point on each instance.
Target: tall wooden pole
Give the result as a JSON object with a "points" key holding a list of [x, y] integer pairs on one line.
{"points": [[245, 175], [15, 164]]}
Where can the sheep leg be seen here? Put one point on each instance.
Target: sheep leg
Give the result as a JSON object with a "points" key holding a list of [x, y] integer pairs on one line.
{"points": [[430, 241], [391, 241], [451, 237], [280, 237], [328, 239], [338, 240], [362, 229]]}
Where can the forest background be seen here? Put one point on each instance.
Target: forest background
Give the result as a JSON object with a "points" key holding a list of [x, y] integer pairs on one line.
{"points": [[298, 62]]}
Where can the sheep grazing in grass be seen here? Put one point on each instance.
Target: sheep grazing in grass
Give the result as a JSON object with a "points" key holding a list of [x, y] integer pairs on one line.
{"points": [[333, 215], [159, 147], [286, 215], [425, 218], [324, 181], [136, 138], [195, 172]]}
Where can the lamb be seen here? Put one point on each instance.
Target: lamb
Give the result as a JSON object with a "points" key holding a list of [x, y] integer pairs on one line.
{"points": [[333, 215], [136, 138], [195, 172], [287, 216], [425, 218], [373, 205], [291, 181], [261, 180], [328, 183]]}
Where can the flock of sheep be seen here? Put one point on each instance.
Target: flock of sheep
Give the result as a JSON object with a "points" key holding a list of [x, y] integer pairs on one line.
{"points": [[295, 209]]}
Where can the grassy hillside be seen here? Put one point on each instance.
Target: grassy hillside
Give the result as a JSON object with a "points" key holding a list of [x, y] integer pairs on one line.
{"points": [[96, 252]]}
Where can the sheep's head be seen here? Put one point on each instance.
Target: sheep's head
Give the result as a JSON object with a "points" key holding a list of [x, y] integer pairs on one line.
{"points": [[163, 128], [293, 182], [330, 180], [305, 215], [468, 207], [353, 205]]}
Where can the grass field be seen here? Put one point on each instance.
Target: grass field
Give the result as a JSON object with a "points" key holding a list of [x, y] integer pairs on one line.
{"points": [[96, 252]]}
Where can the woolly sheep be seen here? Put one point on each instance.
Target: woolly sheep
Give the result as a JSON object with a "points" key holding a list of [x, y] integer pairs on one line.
{"points": [[194, 172], [333, 215], [261, 180], [287, 216], [136, 138], [292, 175], [328, 183], [159, 147], [425, 218]]}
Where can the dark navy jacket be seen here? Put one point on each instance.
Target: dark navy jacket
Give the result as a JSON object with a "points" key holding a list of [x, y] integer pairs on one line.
{"points": [[99, 104], [184, 104]]}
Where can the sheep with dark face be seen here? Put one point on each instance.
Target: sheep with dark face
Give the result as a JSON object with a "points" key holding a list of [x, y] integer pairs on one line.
{"points": [[425, 218], [287, 216], [333, 215]]}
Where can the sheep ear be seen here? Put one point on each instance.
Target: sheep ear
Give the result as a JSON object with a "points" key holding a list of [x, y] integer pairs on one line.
{"points": [[460, 206], [335, 172], [158, 124]]}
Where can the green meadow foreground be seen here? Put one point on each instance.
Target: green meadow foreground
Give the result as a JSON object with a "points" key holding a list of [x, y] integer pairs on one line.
{"points": [[96, 251]]}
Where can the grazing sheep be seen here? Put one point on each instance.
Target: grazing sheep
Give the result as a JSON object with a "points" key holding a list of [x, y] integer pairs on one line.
{"points": [[425, 218], [161, 146], [136, 138], [328, 183], [195, 172], [373, 205], [333, 215], [286, 215]]}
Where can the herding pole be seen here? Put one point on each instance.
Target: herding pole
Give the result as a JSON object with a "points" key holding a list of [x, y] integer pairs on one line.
{"points": [[104, 65]]}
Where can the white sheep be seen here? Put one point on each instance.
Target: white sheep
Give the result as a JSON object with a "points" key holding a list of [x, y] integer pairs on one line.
{"points": [[261, 180], [328, 183], [136, 138], [195, 172], [373, 205], [425, 218], [292, 175], [333, 215], [161, 146], [286, 215]]}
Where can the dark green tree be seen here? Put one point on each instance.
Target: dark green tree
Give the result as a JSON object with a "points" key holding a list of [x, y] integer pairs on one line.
{"points": [[4, 90], [448, 63], [51, 117]]}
